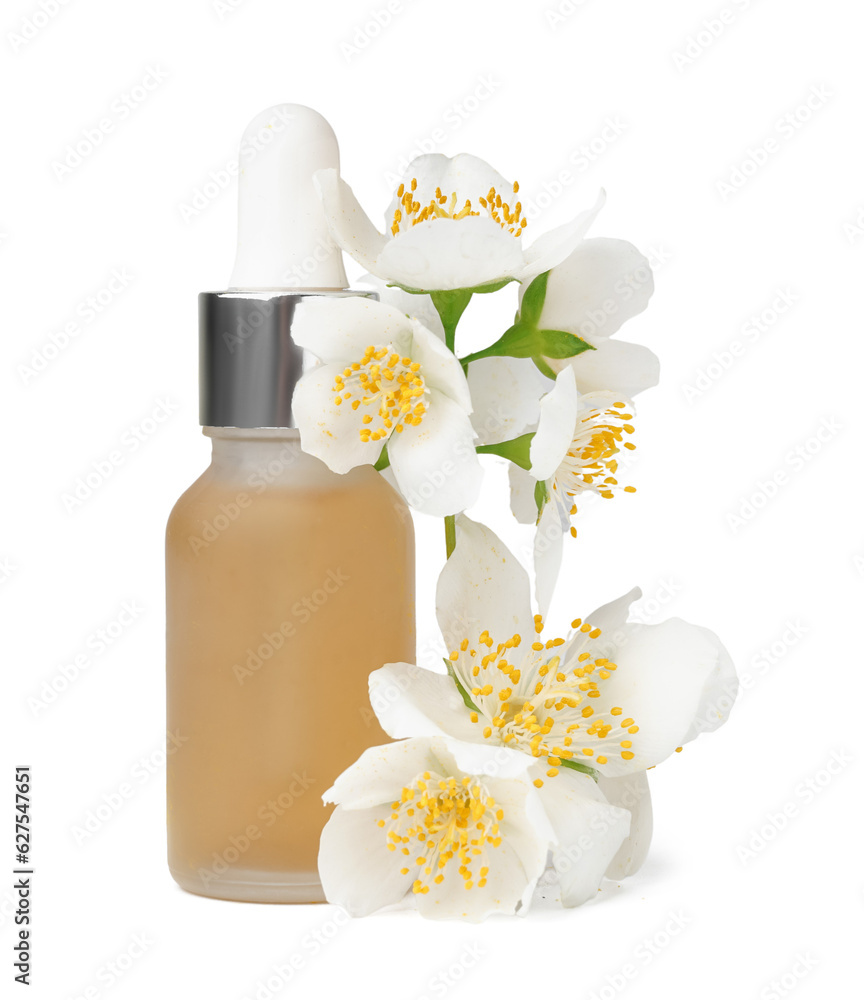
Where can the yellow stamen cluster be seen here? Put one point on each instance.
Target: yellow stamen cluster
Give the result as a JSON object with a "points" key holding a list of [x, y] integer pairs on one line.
{"points": [[590, 462], [386, 382], [542, 705], [444, 207], [442, 819]]}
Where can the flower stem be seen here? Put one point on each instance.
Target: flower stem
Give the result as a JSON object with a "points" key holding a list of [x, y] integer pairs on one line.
{"points": [[450, 306], [450, 533]]}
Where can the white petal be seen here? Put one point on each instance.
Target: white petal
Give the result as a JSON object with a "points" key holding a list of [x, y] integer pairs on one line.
{"points": [[379, 773], [558, 411], [418, 306], [553, 247], [505, 393], [492, 761], [663, 676], [435, 463], [718, 694], [349, 225], [439, 366], [442, 254], [357, 870], [615, 365], [630, 792], [328, 431], [599, 286], [611, 617], [339, 330], [553, 526], [588, 832], [482, 586], [522, 503], [412, 701]]}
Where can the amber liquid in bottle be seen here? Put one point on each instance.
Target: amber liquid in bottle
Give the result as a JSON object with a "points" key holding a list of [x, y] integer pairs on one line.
{"points": [[286, 585]]}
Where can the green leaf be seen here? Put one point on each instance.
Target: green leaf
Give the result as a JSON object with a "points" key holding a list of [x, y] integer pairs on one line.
{"points": [[575, 765], [533, 299], [383, 460], [560, 344], [465, 696], [450, 534], [517, 450], [544, 368], [450, 305], [541, 495], [525, 341], [492, 286]]}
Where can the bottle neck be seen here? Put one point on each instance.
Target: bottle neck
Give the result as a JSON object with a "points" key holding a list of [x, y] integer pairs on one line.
{"points": [[274, 452], [263, 457]]}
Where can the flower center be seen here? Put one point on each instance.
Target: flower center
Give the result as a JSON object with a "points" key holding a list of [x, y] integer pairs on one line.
{"points": [[439, 820], [390, 385], [590, 462], [543, 705], [442, 207]]}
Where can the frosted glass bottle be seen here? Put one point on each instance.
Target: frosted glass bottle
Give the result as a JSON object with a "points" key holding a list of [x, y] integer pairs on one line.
{"points": [[286, 585]]}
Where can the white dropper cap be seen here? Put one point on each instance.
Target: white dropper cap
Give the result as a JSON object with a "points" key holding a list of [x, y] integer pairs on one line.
{"points": [[282, 236]]}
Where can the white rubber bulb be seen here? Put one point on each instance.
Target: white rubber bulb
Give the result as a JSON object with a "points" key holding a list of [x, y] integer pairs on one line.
{"points": [[282, 236]]}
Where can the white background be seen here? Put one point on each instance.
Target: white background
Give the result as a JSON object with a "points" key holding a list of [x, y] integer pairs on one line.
{"points": [[757, 875]]}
